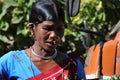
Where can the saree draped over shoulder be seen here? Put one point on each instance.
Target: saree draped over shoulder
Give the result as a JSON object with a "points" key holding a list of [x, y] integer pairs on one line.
{"points": [[16, 65]]}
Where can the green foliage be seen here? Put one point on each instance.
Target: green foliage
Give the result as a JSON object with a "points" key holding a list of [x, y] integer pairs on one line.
{"points": [[93, 12], [115, 77], [13, 18]]}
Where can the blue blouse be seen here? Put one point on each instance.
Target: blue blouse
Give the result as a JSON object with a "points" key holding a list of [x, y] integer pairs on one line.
{"points": [[16, 65]]}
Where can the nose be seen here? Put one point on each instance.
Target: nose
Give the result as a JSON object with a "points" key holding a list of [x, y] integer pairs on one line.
{"points": [[54, 37], [53, 34]]}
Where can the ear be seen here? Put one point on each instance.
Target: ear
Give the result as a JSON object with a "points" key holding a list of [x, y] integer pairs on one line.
{"points": [[31, 27]]}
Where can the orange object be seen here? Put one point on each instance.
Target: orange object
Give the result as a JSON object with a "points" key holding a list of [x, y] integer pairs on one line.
{"points": [[110, 60], [117, 38]]}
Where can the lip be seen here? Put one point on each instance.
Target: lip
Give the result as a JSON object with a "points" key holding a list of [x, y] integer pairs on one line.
{"points": [[51, 44]]}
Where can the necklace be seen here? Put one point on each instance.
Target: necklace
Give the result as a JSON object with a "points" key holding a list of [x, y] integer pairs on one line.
{"points": [[31, 67], [49, 57]]}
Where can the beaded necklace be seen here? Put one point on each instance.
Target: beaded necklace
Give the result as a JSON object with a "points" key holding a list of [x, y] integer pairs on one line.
{"points": [[42, 57]]}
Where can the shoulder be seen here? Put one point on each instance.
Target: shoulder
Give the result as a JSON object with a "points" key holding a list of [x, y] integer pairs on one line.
{"points": [[10, 55]]}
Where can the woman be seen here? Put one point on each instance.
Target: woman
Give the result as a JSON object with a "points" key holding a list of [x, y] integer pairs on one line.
{"points": [[42, 61]]}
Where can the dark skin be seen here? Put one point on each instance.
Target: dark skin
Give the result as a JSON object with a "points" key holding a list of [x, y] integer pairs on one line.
{"points": [[44, 35]]}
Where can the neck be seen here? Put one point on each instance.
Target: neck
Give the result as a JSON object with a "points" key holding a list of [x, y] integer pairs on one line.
{"points": [[41, 56], [41, 51]]}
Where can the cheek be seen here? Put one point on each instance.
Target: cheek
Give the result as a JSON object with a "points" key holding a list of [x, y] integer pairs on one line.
{"points": [[38, 36], [41, 38], [41, 35]]}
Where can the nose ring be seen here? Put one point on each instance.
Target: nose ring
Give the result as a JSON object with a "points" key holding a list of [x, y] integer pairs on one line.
{"points": [[54, 42]]}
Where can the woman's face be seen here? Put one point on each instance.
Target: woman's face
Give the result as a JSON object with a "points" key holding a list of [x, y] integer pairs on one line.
{"points": [[46, 33]]}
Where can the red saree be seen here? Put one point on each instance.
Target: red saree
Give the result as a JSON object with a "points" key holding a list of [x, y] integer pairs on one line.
{"points": [[68, 71]]}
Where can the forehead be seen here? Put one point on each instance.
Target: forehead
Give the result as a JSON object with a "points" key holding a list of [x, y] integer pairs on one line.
{"points": [[52, 23]]}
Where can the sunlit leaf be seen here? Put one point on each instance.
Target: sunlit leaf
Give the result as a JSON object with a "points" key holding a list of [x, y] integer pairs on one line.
{"points": [[4, 26], [11, 2], [4, 11], [23, 31], [16, 20]]}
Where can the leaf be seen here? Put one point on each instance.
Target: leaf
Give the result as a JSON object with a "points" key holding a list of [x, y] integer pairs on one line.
{"points": [[24, 31], [99, 6], [4, 39], [11, 3], [4, 11], [16, 20], [4, 26], [68, 32]]}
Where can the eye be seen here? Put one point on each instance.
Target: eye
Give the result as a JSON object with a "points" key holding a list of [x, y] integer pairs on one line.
{"points": [[48, 28]]}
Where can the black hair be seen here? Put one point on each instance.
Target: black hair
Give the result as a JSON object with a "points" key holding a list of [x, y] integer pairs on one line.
{"points": [[43, 10]]}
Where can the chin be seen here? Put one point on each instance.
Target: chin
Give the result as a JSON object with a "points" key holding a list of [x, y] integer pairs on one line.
{"points": [[50, 49]]}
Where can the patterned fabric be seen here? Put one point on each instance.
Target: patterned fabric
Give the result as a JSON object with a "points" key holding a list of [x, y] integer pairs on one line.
{"points": [[56, 73], [16, 65]]}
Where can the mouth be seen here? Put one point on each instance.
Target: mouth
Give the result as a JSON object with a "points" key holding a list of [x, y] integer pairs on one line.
{"points": [[52, 44]]}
